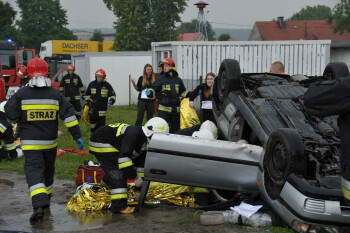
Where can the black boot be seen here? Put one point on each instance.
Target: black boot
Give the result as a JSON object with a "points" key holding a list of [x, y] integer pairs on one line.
{"points": [[37, 216]]}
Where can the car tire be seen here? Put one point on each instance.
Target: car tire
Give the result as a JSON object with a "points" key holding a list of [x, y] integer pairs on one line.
{"points": [[335, 70], [284, 154], [229, 78], [215, 98]]}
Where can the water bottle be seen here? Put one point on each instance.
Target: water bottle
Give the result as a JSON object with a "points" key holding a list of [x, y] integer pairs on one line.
{"points": [[257, 220], [231, 216]]}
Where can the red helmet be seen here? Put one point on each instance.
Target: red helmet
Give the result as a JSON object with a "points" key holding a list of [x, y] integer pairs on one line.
{"points": [[37, 67], [23, 71], [170, 62], [71, 67], [101, 72]]}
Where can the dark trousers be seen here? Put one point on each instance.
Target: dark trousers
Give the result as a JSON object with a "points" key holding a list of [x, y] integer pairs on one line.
{"points": [[173, 120], [39, 167], [207, 114], [142, 107], [114, 178], [77, 108], [97, 122]]}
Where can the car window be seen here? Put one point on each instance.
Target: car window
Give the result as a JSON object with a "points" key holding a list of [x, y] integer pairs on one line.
{"points": [[60, 76]]}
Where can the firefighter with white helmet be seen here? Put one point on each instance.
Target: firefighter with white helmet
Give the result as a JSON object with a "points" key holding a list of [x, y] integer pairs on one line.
{"points": [[169, 90], [36, 108], [72, 88], [209, 125], [115, 147], [98, 95]]}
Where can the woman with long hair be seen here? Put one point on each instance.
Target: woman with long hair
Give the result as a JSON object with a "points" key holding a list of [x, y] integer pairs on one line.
{"points": [[144, 103], [203, 90]]}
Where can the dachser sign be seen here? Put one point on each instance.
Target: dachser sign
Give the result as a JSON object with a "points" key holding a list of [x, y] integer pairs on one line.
{"points": [[75, 46]]}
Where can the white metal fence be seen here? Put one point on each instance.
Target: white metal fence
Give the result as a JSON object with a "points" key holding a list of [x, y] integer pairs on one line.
{"points": [[197, 58]]}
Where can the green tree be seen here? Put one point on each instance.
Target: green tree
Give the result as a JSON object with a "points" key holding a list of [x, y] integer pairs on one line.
{"points": [[7, 24], [141, 22], [188, 27], [224, 37], [318, 12], [97, 36], [42, 21], [341, 14]]}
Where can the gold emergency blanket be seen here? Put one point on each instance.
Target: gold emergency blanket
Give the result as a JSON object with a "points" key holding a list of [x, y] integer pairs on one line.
{"points": [[177, 194], [96, 197], [86, 115], [188, 116]]}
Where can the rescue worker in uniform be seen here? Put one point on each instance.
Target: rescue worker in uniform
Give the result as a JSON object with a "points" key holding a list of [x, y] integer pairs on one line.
{"points": [[328, 98], [98, 94], [8, 151], [23, 75], [169, 90], [72, 88], [36, 108], [114, 145]]}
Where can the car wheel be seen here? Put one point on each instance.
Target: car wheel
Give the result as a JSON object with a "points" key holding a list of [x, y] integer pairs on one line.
{"points": [[284, 154], [215, 98], [335, 70], [229, 78]]}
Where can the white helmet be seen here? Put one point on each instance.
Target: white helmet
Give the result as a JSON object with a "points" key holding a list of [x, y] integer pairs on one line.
{"points": [[209, 125], [203, 133], [155, 125], [2, 106]]}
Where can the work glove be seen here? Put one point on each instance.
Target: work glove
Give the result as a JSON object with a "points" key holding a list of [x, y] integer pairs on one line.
{"points": [[80, 143], [110, 102], [138, 181], [148, 92]]}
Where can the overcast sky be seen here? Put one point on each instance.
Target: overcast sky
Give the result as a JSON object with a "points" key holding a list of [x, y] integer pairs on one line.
{"points": [[220, 13]]}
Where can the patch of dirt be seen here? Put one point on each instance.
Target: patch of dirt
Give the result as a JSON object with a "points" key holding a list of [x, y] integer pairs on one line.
{"points": [[16, 209]]}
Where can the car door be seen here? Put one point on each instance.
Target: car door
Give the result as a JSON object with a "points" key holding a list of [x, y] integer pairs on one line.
{"points": [[56, 80], [202, 162]]}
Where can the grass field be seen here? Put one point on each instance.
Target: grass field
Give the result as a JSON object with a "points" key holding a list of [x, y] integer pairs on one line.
{"points": [[67, 164]]}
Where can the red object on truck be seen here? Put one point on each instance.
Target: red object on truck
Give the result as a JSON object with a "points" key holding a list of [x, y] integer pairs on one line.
{"points": [[2, 86]]}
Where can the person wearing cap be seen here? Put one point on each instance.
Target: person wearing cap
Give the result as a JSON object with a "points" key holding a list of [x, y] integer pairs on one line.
{"points": [[169, 90], [72, 88], [115, 146], [99, 95], [36, 107], [23, 75]]}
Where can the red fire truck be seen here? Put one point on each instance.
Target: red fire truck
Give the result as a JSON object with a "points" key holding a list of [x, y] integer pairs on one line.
{"points": [[9, 56]]}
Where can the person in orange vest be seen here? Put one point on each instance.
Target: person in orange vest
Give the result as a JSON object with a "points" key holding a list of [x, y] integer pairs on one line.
{"points": [[277, 68]]}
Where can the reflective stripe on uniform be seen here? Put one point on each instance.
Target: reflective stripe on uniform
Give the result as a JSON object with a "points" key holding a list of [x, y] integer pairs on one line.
{"points": [[119, 193], [2, 128], [37, 189], [77, 113], [140, 172], [87, 97], [102, 113], [177, 88], [113, 97], [38, 144], [39, 104], [346, 188], [101, 147], [82, 89], [77, 97], [121, 129], [167, 109], [11, 146], [61, 88], [184, 94], [49, 189], [200, 190], [93, 90], [70, 121], [124, 162]]}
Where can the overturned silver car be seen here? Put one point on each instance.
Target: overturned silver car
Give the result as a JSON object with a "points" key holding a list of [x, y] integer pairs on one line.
{"points": [[299, 171]]}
